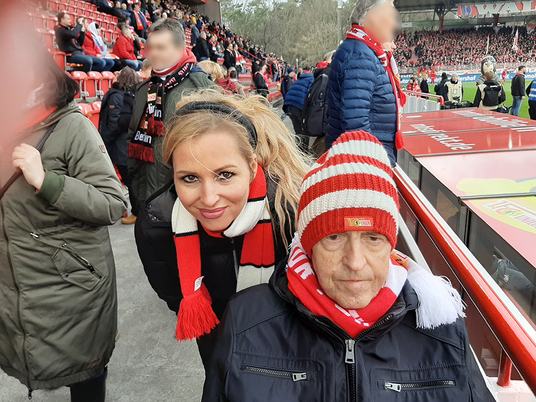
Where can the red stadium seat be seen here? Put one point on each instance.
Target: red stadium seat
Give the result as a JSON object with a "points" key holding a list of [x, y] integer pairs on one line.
{"points": [[85, 108], [94, 116], [59, 58], [81, 78], [96, 105], [50, 22], [107, 80], [48, 37], [93, 85], [54, 5]]}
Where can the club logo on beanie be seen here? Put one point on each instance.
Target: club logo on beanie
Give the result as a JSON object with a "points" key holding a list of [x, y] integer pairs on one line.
{"points": [[358, 224], [349, 188]]}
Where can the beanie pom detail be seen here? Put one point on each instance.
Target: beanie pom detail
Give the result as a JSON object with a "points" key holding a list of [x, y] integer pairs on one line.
{"points": [[196, 317]]}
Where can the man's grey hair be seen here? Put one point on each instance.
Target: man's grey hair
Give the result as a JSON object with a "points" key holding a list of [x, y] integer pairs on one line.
{"points": [[172, 25], [362, 7], [203, 34], [329, 55]]}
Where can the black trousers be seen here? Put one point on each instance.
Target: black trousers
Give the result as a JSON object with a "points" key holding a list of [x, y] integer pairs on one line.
{"points": [[92, 390], [532, 109], [123, 171]]}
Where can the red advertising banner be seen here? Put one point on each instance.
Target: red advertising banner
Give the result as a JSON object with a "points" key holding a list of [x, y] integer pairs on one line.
{"points": [[442, 143], [485, 174], [468, 120], [443, 114], [501, 8]]}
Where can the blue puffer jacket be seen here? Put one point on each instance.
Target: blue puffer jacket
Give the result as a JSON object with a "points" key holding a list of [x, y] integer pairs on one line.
{"points": [[360, 96], [298, 92]]}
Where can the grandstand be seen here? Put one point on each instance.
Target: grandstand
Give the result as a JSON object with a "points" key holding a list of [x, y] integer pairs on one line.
{"points": [[94, 85]]}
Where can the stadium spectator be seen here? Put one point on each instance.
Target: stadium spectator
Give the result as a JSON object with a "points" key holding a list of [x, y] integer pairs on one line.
{"points": [[201, 49], [212, 48], [364, 92], [518, 90], [152, 9], [95, 46], [489, 95], [346, 316], [531, 93], [210, 133], [424, 84], [440, 88], [229, 58], [70, 40], [146, 69], [174, 73], [503, 76], [138, 21], [261, 88], [119, 12], [115, 115], [124, 48], [293, 106], [233, 75], [454, 89], [65, 196], [226, 83], [413, 85], [287, 81]]}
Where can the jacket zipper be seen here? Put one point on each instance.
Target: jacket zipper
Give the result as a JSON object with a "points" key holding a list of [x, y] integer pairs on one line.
{"points": [[399, 387], [75, 255], [295, 376], [235, 260], [349, 356], [4, 233]]}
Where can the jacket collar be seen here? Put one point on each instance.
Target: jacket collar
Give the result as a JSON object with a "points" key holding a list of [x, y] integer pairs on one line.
{"points": [[406, 302]]}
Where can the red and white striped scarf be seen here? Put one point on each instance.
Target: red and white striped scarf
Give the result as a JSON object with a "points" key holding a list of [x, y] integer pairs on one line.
{"points": [[389, 63], [257, 260], [304, 285]]}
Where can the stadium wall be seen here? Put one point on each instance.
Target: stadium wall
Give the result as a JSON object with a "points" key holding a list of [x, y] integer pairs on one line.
{"points": [[211, 9]]}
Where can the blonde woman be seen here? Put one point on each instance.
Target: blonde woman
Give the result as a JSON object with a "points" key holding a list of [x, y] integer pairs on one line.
{"points": [[218, 73], [229, 213]]}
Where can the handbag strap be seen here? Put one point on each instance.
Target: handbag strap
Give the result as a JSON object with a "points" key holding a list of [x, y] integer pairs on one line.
{"points": [[39, 147]]}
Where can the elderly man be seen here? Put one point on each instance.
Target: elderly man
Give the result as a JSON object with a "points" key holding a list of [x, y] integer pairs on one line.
{"points": [[346, 317], [364, 85], [174, 73]]}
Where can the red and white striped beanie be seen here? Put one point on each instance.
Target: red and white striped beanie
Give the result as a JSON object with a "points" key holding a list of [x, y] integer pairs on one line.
{"points": [[349, 188]]}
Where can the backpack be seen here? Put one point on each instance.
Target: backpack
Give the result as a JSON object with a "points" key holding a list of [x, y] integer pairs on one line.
{"points": [[315, 108], [492, 93]]}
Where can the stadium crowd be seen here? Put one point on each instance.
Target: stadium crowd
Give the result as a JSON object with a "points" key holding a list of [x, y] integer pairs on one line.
{"points": [[464, 46]]}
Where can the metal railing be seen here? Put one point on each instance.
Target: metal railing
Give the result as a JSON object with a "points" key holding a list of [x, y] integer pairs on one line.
{"points": [[418, 102], [515, 334]]}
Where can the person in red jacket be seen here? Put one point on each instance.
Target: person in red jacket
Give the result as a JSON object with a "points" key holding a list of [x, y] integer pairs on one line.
{"points": [[124, 49], [94, 46]]}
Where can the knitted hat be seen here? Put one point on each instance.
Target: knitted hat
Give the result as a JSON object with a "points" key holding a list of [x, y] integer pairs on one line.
{"points": [[349, 188]]}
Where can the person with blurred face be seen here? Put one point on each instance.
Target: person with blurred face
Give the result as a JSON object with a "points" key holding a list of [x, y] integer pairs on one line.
{"points": [[138, 21], [174, 71], [364, 91], [346, 317]]}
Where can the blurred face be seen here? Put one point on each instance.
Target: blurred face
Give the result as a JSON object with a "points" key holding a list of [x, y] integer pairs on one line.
{"points": [[381, 21], [66, 20], [212, 179], [99, 31], [352, 267], [454, 78], [389, 46], [124, 6], [162, 51]]}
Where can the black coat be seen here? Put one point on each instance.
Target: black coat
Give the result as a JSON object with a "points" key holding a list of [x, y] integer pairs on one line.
{"points": [[440, 89], [424, 87], [229, 59], [115, 115], [202, 48], [269, 347], [70, 40], [518, 85]]}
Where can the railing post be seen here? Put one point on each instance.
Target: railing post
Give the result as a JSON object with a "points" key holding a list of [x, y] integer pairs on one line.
{"points": [[505, 370]]}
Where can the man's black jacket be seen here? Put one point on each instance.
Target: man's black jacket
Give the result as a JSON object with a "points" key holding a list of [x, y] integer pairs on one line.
{"points": [[518, 85], [269, 347], [70, 40]]}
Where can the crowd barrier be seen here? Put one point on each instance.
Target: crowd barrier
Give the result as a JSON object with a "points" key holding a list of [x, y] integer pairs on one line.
{"points": [[417, 102]]}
